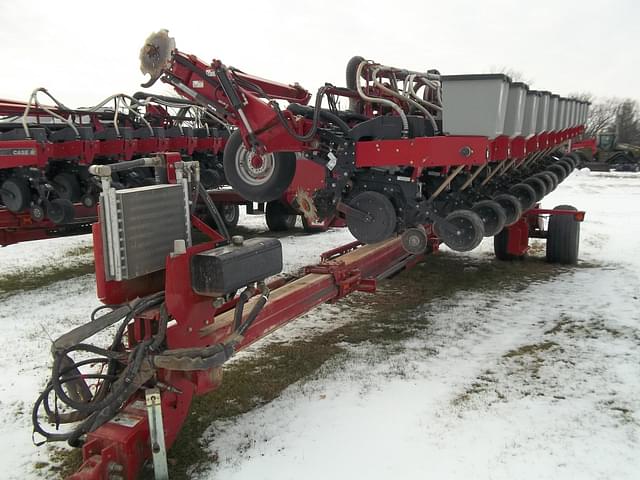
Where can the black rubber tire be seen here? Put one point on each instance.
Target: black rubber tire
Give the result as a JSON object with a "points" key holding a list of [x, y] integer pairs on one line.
{"points": [[540, 186], [282, 172], [572, 158], [60, 211], [230, 213], [19, 197], [384, 221], [563, 238], [492, 215], [500, 243], [525, 194], [278, 216], [511, 206], [470, 231], [554, 178], [548, 181], [568, 166], [558, 171], [67, 186]]}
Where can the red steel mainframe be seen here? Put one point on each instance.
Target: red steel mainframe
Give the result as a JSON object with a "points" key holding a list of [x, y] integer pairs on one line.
{"points": [[121, 446]]}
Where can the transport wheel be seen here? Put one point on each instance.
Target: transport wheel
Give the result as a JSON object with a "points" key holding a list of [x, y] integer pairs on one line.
{"points": [[230, 214], [538, 185], [547, 180], [67, 186], [500, 243], [209, 178], [492, 215], [558, 171], [381, 221], [258, 178], [60, 211], [16, 194], [37, 213], [525, 194], [511, 207], [465, 232], [278, 216], [563, 237]]}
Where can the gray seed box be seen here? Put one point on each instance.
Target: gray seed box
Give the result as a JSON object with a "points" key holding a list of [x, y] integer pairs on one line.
{"points": [[475, 104], [515, 109], [530, 113]]}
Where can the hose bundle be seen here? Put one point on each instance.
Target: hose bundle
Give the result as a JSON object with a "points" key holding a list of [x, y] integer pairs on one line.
{"points": [[122, 374]]}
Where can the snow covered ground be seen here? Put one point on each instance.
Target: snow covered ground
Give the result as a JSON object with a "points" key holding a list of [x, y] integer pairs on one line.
{"points": [[540, 382], [536, 383]]}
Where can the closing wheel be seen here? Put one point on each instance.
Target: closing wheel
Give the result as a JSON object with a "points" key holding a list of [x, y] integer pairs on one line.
{"points": [[60, 211], [463, 232], [16, 194], [563, 237], [375, 220], [492, 215], [558, 171], [278, 216], [258, 178], [37, 213], [538, 185], [414, 240], [525, 194], [67, 186], [230, 214], [511, 207]]}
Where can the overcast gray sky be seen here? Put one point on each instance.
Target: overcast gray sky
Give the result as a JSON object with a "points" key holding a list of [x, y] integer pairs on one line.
{"points": [[83, 51]]}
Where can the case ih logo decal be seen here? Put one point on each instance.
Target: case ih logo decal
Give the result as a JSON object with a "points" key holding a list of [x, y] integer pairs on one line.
{"points": [[23, 152]]}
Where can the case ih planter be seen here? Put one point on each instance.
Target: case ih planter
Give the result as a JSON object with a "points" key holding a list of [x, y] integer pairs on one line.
{"points": [[402, 182]]}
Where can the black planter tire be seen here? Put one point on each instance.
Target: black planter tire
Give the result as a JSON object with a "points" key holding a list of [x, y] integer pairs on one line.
{"points": [[563, 238], [525, 194], [261, 181], [67, 186], [468, 233], [511, 206], [230, 213], [60, 211], [558, 171], [278, 216], [492, 215], [18, 195], [538, 185]]}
